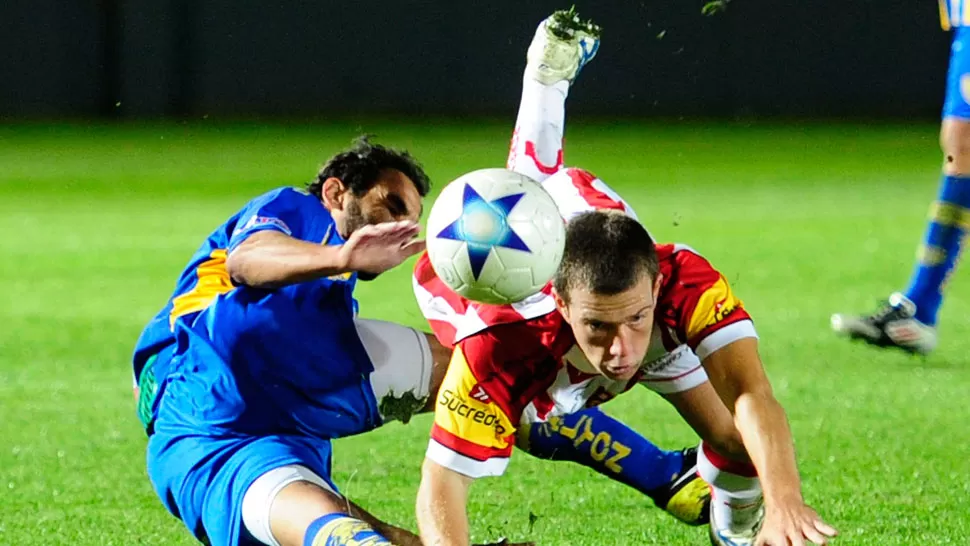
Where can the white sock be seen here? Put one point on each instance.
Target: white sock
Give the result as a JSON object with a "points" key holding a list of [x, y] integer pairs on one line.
{"points": [[536, 150], [735, 490]]}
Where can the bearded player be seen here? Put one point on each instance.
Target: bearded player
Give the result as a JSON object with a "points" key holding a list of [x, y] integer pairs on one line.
{"points": [[621, 311]]}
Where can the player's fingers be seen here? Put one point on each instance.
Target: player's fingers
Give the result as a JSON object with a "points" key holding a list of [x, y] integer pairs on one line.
{"points": [[812, 534], [414, 246], [825, 528]]}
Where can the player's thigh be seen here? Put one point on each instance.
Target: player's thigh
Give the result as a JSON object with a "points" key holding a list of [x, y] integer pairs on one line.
{"points": [[955, 130], [404, 367]]}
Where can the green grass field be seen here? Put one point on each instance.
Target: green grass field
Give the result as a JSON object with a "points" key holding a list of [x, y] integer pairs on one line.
{"points": [[804, 219]]}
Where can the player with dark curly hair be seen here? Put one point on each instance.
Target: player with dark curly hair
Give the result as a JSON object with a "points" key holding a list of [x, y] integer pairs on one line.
{"points": [[259, 360]]}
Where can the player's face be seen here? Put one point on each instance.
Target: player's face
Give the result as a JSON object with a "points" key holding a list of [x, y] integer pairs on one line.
{"points": [[393, 198], [613, 331]]}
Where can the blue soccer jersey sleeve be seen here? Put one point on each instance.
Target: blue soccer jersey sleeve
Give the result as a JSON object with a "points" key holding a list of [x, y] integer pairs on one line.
{"points": [[287, 211]]}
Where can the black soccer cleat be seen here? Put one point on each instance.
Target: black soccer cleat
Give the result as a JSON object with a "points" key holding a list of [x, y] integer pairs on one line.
{"points": [[893, 325], [687, 497]]}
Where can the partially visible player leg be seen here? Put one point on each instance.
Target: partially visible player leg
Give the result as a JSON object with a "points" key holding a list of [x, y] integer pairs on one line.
{"points": [[908, 321], [606, 445], [293, 506], [561, 47]]}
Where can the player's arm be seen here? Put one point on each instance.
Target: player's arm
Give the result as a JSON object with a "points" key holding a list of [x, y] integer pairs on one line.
{"points": [[271, 258], [441, 506], [722, 335], [471, 438], [738, 376]]}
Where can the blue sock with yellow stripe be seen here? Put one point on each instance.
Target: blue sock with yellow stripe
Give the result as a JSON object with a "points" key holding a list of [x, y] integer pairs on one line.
{"points": [[949, 223], [342, 530], [596, 440]]}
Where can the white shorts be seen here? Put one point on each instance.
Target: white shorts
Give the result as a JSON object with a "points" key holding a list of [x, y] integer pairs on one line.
{"points": [[401, 382]]}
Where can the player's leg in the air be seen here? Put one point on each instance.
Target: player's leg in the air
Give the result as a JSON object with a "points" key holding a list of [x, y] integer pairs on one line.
{"points": [[908, 320], [563, 44]]}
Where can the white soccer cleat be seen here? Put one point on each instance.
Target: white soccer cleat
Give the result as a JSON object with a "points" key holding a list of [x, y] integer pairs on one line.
{"points": [[742, 534], [891, 326], [563, 44]]}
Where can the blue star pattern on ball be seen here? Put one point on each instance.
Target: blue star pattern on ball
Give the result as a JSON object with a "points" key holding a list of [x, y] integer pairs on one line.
{"points": [[483, 225]]}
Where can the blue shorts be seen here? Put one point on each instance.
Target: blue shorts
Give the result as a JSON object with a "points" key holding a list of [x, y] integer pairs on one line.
{"points": [[957, 101], [202, 479]]}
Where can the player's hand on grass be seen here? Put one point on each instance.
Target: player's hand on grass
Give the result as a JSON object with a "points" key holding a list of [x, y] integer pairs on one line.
{"points": [[795, 525], [376, 248]]}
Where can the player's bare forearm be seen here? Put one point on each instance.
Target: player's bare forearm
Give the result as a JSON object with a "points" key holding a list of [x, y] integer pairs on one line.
{"points": [[441, 506], [768, 439], [737, 374], [270, 259]]}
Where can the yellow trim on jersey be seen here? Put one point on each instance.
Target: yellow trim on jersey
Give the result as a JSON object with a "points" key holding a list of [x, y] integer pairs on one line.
{"points": [[213, 280], [465, 411], [944, 16], [716, 303]]}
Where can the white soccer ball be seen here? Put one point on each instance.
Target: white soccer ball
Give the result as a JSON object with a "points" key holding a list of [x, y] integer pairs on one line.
{"points": [[495, 236]]}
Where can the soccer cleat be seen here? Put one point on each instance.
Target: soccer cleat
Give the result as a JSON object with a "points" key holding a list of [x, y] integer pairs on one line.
{"points": [[891, 326], [744, 535], [687, 497], [563, 44]]}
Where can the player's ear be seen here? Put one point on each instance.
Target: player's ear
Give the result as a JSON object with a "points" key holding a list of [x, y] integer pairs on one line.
{"points": [[333, 193], [656, 285], [561, 305]]}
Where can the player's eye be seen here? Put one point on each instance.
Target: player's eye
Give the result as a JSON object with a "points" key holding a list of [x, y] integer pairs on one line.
{"points": [[596, 326], [396, 206]]}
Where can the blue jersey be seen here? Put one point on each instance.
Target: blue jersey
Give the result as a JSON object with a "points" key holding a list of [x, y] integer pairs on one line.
{"points": [[257, 361], [205, 277]]}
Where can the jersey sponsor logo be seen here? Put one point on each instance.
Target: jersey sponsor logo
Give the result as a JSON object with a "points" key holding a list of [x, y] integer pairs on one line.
{"points": [[467, 411], [258, 221], [478, 393]]}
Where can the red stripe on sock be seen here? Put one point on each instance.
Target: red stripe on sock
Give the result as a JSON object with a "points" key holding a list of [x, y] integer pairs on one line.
{"points": [[724, 464]]}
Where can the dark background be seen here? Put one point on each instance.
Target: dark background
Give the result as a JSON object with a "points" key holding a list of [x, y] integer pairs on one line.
{"points": [[231, 58]]}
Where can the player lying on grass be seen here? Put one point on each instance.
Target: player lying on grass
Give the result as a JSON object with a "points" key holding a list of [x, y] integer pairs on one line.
{"points": [[621, 312], [908, 320], [259, 360]]}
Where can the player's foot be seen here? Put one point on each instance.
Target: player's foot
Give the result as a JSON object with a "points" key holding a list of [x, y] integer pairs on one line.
{"points": [[562, 46], [687, 497], [892, 325], [740, 535]]}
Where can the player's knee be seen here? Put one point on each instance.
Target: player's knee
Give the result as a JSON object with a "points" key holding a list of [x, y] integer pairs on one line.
{"points": [[280, 505], [955, 143]]}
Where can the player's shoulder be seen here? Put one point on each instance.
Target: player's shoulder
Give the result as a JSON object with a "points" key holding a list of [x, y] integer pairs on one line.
{"points": [[522, 342], [287, 196], [682, 263]]}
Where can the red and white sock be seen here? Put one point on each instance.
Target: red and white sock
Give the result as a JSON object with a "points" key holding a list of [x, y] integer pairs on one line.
{"points": [[735, 491], [537, 142]]}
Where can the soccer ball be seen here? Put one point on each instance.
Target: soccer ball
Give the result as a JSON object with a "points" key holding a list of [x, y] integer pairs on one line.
{"points": [[495, 236]]}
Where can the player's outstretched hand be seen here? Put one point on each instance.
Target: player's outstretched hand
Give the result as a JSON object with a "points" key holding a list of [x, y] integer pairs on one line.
{"points": [[794, 525], [375, 248]]}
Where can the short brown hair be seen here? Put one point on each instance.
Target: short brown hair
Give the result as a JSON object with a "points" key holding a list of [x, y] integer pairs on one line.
{"points": [[606, 252]]}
